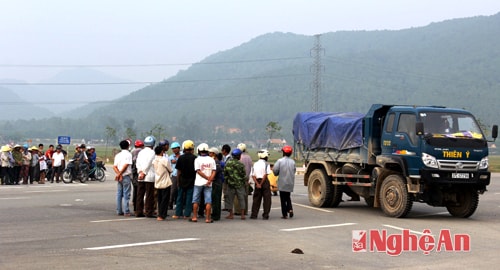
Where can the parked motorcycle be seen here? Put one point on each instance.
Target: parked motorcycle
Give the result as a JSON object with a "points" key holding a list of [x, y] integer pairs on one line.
{"points": [[99, 171]]}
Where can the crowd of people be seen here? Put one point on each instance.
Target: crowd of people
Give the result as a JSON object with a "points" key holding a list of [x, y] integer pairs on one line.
{"points": [[21, 164], [199, 183]]}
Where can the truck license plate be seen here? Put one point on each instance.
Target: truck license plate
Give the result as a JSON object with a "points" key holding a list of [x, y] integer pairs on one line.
{"points": [[460, 175]]}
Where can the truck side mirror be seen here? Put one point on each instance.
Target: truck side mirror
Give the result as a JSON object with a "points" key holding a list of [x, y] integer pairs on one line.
{"points": [[419, 128], [494, 132]]}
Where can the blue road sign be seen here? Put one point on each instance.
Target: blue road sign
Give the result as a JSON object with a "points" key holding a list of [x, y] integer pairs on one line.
{"points": [[64, 140]]}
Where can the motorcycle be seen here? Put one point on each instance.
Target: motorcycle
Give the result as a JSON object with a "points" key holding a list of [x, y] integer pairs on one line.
{"points": [[99, 171], [72, 173]]}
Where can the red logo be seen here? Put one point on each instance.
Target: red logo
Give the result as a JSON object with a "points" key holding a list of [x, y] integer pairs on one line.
{"points": [[358, 241]]}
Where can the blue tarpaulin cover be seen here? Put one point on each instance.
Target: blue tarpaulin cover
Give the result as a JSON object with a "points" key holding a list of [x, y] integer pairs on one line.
{"points": [[339, 131]]}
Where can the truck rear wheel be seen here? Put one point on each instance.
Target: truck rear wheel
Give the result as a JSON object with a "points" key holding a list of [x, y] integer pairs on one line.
{"points": [[321, 190], [394, 198], [466, 204]]}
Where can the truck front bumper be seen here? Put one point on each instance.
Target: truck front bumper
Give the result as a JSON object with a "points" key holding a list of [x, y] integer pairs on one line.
{"points": [[454, 177]]}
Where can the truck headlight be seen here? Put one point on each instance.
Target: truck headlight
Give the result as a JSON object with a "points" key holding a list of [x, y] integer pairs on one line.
{"points": [[429, 160], [483, 164]]}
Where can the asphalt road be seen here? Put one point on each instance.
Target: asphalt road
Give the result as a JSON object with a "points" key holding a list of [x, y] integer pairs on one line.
{"points": [[74, 226]]}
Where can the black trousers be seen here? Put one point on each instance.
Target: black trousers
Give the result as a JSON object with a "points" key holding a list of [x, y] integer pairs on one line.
{"points": [[145, 207], [286, 203], [163, 197], [259, 194]]}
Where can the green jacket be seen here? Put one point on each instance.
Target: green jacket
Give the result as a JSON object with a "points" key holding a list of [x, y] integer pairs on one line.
{"points": [[234, 173], [18, 157]]}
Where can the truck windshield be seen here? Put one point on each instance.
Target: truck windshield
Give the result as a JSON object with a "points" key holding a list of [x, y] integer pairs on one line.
{"points": [[452, 125]]}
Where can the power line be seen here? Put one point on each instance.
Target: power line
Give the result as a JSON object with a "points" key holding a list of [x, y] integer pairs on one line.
{"points": [[147, 65], [150, 82]]}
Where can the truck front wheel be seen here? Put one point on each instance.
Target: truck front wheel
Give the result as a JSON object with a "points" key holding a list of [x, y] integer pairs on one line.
{"points": [[466, 203], [321, 190], [394, 198]]}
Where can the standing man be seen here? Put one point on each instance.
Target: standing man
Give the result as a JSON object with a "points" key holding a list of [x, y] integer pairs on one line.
{"points": [[139, 145], [247, 162], [57, 164], [163, 182], [226, 155], [262, 190], [216, 184], [234, 176], [185, 177], [17, 154], [48, 158], [285, 169], [123, 171], [25, 168], [146, 179], [176, 149], [205, 168]]}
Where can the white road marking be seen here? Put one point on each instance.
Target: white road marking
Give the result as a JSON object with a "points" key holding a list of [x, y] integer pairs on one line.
{"points": [[317, 227], [497, 193], [15, 198], [113, 220], [143, 244], [314, 208], [43, 191], [399, 228], [433, 214]]}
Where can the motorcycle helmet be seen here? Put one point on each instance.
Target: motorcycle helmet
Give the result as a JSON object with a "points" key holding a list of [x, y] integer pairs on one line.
{"points": [[164, 142], [188, 145], [150, 141], [236, 152], [262, 154], [287, 149], [175, 145], [138, 143], [242, 147], [203, 147]]}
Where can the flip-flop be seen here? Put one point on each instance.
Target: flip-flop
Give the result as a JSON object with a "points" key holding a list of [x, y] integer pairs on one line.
{"points": [[209, 221], [193, 220]]}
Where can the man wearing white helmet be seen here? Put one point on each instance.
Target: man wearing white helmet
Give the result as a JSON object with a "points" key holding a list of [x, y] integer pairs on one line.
{"points": [[146, 179], [262, 190], [205, 168]]}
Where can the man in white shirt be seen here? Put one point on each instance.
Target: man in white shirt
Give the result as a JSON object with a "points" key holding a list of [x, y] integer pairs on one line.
{"points": [[57, 161], [123, 169], [146, 179], [262, 190], [205, 168]]}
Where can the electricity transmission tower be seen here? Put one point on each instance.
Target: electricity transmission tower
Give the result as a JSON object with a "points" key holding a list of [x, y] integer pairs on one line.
{"points": [[316, 68]]}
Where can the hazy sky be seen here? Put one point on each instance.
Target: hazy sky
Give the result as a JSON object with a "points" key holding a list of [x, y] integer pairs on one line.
{"points": [[120, 32]]}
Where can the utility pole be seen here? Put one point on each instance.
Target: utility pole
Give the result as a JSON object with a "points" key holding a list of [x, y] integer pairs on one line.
{"points": [[316, 68]]}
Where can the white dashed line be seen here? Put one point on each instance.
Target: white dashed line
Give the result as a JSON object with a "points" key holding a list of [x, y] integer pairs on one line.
{"points": [[115, 220], [316, 227], [143, 244], [312, 207], [399, 228]]}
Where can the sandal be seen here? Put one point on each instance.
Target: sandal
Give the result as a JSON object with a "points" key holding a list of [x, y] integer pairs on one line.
{"points": [[209, 221], [193, 220], [175, 217]]}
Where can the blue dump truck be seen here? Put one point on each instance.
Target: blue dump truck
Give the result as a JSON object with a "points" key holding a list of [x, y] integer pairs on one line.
{"points": [[393, 156]]}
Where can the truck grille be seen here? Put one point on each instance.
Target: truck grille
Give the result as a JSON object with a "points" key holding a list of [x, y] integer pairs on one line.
{"points": [[453, 165]]}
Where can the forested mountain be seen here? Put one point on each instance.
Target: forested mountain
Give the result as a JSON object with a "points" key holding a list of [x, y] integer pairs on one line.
{"points": [[453, 63], [14, 107]]}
